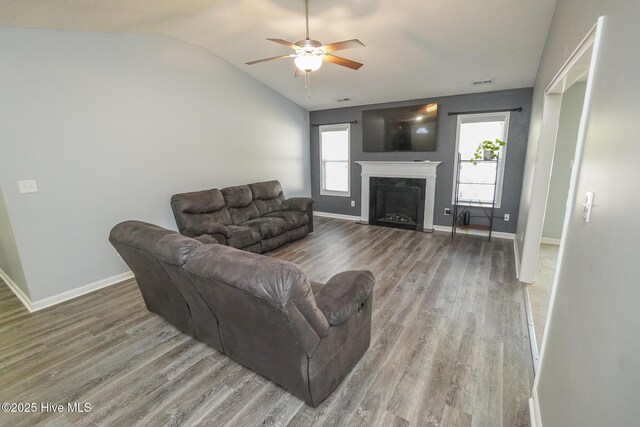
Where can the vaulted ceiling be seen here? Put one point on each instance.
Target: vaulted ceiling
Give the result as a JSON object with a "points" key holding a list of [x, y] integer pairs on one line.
{"points": [[414, 48]]}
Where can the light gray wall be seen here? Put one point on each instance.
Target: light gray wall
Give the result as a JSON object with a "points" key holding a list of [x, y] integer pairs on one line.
{"points": [[590, 369], [565, 149], [111, 126], [445, 152], [9, 258]]}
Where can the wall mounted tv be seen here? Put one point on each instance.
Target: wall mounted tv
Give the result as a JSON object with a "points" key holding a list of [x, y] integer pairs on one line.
{"points": [[410, 128]]}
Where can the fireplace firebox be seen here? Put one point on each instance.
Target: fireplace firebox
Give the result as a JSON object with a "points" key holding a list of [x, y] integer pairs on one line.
{"points": [[397, 202]]}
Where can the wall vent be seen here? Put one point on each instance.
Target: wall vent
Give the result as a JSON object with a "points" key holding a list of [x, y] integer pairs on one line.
{"points": [[483, 82]]}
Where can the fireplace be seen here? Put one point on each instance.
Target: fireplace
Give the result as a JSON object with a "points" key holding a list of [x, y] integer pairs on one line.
{"points": [[422, 170], [397, 202]]}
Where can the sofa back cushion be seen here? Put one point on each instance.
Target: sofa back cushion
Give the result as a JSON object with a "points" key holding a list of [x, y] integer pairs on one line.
{"points": [[145, 248], [239, 201], [267, 196], [196, 212]]}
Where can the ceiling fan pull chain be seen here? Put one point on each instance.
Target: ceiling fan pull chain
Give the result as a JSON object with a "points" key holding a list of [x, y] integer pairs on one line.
{"points": [[307, 80]]}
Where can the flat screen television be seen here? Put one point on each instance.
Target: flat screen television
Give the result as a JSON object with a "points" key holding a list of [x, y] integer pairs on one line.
{"points": [[412, 128]]}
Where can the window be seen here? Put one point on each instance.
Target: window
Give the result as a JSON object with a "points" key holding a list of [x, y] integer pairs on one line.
{"points": [[476, 180], [334, 160]]}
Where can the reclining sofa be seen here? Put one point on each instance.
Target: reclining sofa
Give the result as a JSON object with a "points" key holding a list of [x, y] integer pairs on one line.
{"points": [[255, 217], [262, 312]]}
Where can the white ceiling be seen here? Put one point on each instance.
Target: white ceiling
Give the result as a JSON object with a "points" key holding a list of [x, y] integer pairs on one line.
{"points": [[414, 48]]}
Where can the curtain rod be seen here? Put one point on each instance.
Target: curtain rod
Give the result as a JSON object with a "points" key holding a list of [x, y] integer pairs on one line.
{"points": [[353, 122], [455, 113]]}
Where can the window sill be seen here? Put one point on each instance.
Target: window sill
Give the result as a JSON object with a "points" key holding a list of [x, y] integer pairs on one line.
{"points": [[335, 193], [476, 204]]}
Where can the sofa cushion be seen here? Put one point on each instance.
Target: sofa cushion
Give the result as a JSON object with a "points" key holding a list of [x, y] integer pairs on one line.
{"points": [[239, 201], [267, 196], [268, 226], [237, 197], [165, 245], [241, 236], [197, 212], [293, 219]]}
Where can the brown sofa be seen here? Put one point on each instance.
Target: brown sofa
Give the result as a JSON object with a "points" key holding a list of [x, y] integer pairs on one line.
{"points": [[255, 217], [260, 311]]}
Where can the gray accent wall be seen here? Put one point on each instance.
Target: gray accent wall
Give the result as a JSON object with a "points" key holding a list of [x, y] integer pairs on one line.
{"points": [[110, 126], [589, 372], [570, 113], [445, 151]]}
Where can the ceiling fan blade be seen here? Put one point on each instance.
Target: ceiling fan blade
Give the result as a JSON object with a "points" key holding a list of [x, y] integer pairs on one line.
{"points": [[298, 73], [347, 44], [284, 43], [269, 59], [342, 61]]}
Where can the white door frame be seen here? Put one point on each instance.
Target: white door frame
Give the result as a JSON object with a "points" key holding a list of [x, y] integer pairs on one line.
{"points": [[579, 63], [583, 60]]}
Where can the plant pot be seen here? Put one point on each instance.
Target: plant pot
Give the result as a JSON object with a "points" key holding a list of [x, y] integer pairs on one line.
{"points": [[487, 155]]}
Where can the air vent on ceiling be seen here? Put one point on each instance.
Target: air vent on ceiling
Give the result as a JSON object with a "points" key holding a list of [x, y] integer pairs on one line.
{"points": [[483, 82], [343, 99]]}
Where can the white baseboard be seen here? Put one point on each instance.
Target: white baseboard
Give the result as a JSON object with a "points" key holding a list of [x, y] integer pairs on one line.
{"points": [[24, 299], [65, 296], [516, 254], [338, 216], [534, 410], [550, 241], [498, 234]]}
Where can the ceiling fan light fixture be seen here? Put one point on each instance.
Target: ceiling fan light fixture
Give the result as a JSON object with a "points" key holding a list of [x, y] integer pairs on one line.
{"points": [[308, 62]]}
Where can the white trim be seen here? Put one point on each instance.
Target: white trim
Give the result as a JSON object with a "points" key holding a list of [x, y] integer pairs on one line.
{"points": [[65, 296], [472, 232], [74, 293], [532, 330], [550, 241], [337, 216], [516, 254], [335, 127], [24, 299], [534, 410], [503, 152]]}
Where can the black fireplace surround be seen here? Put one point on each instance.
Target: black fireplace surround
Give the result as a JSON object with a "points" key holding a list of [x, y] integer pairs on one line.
{"points": [[397, 202]]}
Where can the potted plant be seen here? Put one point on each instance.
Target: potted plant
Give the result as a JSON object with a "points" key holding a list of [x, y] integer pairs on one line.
{"points": [[487, 150]]}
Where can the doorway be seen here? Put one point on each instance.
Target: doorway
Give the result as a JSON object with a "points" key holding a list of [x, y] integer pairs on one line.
{"points": [[572, 85], [563, 158]]}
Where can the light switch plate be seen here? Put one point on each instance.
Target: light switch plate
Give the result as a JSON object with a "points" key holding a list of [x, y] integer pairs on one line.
{"points": [[588, 204], [353, 203], [28, 186]]}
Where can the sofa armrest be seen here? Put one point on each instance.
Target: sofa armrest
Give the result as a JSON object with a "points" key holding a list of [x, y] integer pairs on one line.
{"points": [[300, 204], [344, 294], [209, 228]]}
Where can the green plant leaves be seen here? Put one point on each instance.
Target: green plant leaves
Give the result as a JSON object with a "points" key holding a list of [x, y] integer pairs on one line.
{"points": [[487, 145]]}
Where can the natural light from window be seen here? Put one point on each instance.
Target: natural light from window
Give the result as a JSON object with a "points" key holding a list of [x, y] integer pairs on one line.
{"points": [[477, 180], [334, 159]]}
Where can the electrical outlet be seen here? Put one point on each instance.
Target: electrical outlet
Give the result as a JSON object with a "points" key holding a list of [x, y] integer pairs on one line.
{"points": [[507, 217], [28, 186], [447, 211], [353, 203]]}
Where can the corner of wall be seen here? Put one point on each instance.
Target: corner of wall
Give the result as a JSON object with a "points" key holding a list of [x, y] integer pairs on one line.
{"points": [[11, 270]]}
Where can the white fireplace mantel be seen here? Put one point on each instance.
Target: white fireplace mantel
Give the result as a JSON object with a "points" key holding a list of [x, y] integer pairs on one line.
{"points": [[397, 169]]}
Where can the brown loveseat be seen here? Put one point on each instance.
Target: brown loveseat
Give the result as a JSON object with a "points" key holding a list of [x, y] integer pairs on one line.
{"points": [[260, 311], [255, 217]]}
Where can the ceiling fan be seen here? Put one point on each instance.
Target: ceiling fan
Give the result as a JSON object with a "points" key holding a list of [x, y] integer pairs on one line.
{"points": [[309, 54]]}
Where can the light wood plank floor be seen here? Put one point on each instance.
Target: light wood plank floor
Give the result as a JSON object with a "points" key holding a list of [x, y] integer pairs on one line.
{"points": [[449, 346], [540, 290]]}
